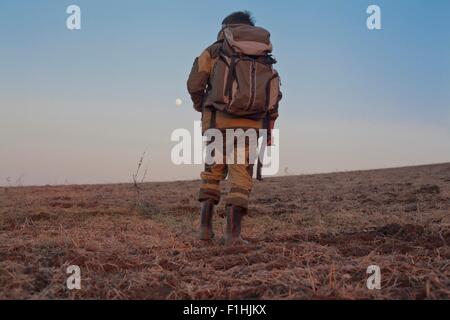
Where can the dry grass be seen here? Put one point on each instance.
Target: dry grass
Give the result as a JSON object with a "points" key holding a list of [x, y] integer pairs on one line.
{"points": [[312, 237]]}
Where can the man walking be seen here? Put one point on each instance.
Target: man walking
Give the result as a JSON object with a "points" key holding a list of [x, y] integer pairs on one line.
{"points": [[234, 85]]}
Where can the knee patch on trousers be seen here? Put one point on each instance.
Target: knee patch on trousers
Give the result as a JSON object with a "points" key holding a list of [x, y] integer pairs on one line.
{"points": [[238, 197], [210, 191]]}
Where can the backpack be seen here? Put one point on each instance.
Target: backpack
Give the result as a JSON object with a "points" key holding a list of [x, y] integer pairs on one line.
{"points": [[243, 81]]}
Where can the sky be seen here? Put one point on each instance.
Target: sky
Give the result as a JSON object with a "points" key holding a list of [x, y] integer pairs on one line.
{"points": [[81, 106]]}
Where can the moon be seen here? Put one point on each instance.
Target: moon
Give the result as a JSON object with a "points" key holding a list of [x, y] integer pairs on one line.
{"points": [[178, 102]]}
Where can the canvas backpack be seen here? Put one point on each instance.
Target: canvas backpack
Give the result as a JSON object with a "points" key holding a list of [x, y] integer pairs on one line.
{"points": [[243, 81]]}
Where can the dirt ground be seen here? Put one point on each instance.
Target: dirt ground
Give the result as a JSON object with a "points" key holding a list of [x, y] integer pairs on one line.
{"points": [[311, 237]]}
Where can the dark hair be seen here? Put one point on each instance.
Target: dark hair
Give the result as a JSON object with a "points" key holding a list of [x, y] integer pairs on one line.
{"points": [[239, 17]]}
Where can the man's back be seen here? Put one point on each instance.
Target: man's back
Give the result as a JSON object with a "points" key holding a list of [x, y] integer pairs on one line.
{"points": [[233, 80]]}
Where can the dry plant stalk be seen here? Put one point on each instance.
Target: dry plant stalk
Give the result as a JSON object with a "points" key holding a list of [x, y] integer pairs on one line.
{"points": [[138, 180]]}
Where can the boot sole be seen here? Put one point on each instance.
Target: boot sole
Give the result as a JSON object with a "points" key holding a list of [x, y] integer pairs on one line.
{"points": [[235, 242], [206, 236]]}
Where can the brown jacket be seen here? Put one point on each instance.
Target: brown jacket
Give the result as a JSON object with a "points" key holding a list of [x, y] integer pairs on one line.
{"points": [[198, 82]]}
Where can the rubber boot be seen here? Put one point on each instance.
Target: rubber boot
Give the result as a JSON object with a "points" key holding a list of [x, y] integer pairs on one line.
{"points": [[233, 226], [206, 215]]}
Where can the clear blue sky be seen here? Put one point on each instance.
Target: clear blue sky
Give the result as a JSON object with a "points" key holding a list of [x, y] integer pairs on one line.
{"points": [[81, 105]]}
